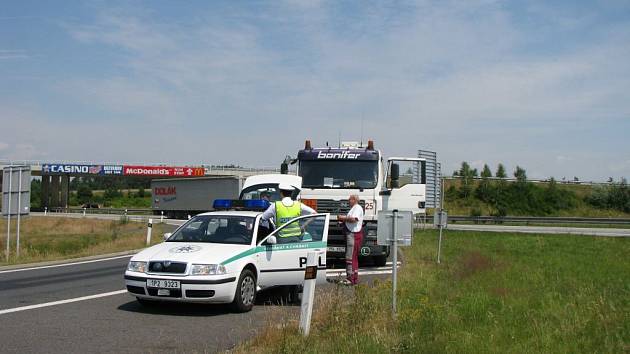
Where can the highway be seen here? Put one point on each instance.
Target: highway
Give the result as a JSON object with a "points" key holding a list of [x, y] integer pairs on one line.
{"points": [[83, 307]]}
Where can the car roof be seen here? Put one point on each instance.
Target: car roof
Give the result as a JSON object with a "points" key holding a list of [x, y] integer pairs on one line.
{"points": [[249, 213]]}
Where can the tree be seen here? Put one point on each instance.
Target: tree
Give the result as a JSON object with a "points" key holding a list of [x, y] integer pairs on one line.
{"points": [[520, 174], [501, 171], [84, 194], [466, 175], [486, 171], [484, 191]]}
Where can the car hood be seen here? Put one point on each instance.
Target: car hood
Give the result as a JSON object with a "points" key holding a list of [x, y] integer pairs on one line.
{"points": [[193, 252]]}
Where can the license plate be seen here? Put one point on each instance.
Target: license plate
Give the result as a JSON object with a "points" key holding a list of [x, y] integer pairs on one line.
{"points": [[161, 283], [336, 249]]}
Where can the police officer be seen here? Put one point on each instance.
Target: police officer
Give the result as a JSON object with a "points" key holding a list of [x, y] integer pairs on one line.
{"points": [[284, 210]]}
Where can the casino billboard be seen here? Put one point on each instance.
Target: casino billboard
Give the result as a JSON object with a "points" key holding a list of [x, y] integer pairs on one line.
{"points": [[77, 169], [122, 170]]}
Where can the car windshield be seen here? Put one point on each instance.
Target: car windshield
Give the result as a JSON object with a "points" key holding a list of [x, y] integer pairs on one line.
{"points": [[230, 229], [338, 174]]}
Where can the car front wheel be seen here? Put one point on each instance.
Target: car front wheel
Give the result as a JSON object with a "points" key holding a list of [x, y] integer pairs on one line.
{"points": [[245, 292]]}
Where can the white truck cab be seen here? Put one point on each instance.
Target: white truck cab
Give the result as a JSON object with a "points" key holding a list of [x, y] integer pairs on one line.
{"points": [[226, 257], [331, 174]]}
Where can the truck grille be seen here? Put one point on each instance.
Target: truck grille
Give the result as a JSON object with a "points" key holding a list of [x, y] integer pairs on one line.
{"points": [[335, 206], [167, 267]]}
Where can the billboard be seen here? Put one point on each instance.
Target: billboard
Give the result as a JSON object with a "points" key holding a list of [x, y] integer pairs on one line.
{"points": [[120, 170], [82, 169], [163, 171]]}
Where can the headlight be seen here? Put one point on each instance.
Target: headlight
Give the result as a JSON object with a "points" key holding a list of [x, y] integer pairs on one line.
{"points": [[140, 267], [207, 269]]}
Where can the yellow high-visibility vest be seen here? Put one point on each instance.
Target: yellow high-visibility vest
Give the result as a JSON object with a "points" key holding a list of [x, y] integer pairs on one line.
{"points": [[284, 214]]}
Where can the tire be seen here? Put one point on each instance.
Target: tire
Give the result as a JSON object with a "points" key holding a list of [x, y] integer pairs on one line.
{"points": [[245, 296], [380, 261]]}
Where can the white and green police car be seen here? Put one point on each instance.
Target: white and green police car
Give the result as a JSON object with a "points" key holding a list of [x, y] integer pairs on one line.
{"points": [[226, 257]]}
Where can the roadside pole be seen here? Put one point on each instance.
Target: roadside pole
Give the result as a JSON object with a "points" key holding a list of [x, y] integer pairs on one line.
{"points": [[441, 220], [161, 217], [149, 229], [308, 294], [394, 259], [19, 211], [9, 213]]}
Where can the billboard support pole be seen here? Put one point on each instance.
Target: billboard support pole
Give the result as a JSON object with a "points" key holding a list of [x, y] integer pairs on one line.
{"points": [[19, 211], [9, 213]]}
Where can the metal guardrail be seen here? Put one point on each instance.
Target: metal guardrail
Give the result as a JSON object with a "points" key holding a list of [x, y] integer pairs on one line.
{"points": [[533, 220], [109, 211]]}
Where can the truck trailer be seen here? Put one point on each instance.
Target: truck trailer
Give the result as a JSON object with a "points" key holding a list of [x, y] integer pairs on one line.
{"points": [[180, 197]]}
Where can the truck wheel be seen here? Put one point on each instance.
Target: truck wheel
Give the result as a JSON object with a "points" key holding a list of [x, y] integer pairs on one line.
{"points": [[245, 292], [380, 261]]}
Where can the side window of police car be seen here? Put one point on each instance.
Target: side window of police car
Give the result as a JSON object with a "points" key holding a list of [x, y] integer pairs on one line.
{"points": [[307, 229]]}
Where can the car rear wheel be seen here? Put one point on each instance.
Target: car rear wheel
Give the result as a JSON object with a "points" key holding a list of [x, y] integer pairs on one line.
{"points": [[245, 292]]}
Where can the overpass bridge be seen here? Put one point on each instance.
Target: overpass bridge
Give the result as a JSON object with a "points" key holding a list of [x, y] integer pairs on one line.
{"points": [[56, 174]]}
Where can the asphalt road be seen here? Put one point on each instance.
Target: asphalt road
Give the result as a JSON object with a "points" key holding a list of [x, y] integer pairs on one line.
{"points": [[83, 308]]}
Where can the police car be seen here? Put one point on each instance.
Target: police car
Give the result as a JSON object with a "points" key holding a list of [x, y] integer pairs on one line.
{"points": [[227, 256]]}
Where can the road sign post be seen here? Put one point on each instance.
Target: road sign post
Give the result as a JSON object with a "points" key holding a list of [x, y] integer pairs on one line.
{"points": [[16, 188], [394, 259], [308, 294], [149, 229], [399, 233]]}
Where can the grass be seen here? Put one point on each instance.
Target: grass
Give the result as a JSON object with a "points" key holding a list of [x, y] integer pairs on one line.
{"points": [[493, 293], [54, 238]]}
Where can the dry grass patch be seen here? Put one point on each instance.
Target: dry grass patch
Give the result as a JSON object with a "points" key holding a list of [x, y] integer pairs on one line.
{"points": [[54, 238]]}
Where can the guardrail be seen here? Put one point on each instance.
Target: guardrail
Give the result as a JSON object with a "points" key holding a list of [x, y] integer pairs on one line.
{"points": [[533, 220], [109, 211]]}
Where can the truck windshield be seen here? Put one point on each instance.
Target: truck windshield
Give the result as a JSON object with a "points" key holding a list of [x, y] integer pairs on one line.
{"points": [[216, 229], [338, 174]]}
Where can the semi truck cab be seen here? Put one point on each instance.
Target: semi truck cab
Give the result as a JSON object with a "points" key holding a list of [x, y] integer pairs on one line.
{"points": [[330, 175]]}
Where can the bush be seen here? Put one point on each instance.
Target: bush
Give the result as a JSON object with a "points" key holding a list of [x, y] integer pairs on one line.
{"points": [[615, 196]]}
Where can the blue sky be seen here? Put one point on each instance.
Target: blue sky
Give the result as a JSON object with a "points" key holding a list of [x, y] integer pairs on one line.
{"points": [[545, 85]]}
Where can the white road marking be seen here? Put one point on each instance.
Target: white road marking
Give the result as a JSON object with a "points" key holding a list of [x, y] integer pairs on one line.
{"points": [[66, 264], [61, 302]]}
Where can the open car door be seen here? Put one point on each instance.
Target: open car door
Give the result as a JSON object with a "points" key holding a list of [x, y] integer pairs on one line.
{"points": [[282, 259]]}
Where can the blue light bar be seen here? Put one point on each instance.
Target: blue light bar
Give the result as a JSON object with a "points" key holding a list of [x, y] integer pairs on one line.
{"points": [[250, 204], [222, 204], [257, 204]]}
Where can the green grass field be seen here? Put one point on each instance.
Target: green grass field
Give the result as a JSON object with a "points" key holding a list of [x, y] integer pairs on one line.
{"points": [[493, 293], [54, 238]]}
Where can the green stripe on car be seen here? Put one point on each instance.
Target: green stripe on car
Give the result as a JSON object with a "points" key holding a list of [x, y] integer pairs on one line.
{"points": [[281, 247]]}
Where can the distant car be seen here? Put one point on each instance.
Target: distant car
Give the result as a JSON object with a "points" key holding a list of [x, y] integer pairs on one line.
{"points": [[90, 206], [225, 257]]}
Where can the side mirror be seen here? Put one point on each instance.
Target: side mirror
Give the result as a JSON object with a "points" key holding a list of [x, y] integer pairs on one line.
{"points": [[167, 235], [395, 175], [271, 240]]}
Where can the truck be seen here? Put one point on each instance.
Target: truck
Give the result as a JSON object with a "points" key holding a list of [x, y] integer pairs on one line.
{"points": [[330, 175], [180, 197]]}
